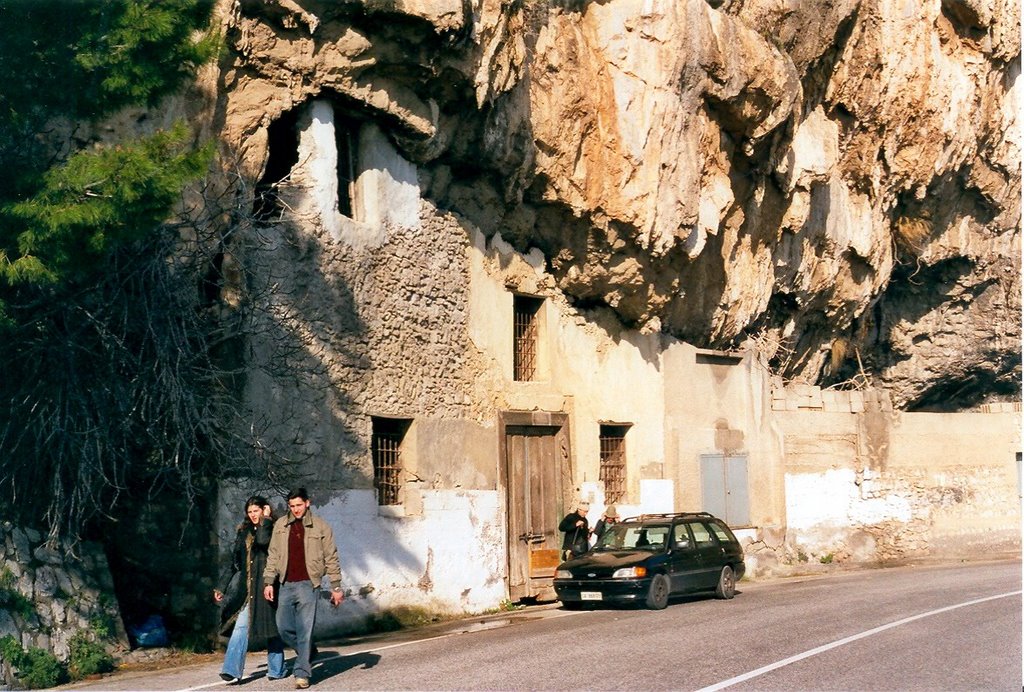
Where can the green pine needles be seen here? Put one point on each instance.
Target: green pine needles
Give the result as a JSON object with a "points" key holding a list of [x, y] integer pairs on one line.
{"points": [[97, 201], [87, 58], [147, 50], [83, 60]]}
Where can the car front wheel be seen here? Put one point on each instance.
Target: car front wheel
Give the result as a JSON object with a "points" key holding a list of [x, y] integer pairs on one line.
{"points": [[657, 595], [726, 583]]}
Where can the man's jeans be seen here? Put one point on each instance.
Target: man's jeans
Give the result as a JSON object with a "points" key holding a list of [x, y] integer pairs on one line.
{"points": [[234, 659], [296, 614]]}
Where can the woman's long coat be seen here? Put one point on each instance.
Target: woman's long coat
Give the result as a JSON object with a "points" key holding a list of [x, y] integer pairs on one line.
{"points": [[244, 586]]}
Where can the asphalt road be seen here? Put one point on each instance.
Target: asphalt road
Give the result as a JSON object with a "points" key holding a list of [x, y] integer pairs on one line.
{"points": [[907, 628]]}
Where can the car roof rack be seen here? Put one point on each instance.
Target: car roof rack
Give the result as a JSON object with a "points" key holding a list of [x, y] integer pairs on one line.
{"points": [[670, 515]]}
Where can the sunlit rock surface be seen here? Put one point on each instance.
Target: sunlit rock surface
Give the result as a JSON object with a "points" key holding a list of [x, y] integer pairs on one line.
{"points": [[837, 182]]}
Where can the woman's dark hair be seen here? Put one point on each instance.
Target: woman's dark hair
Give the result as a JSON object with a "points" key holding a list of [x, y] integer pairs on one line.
{"points": [[257, 500]]}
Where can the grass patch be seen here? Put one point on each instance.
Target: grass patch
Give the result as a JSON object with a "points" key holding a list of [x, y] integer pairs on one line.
{"points": [[36, 668], [505, 606], [87, 656], [402, 617]]}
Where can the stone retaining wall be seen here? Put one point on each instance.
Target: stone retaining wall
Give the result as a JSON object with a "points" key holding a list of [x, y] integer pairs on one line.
{"points": [[867, 484], [47, 593]]}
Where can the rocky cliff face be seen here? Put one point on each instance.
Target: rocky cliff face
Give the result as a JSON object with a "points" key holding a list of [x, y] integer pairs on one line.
{"points": [[837, 182]]}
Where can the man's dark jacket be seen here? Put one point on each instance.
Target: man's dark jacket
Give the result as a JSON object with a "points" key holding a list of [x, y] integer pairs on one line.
{"points": [[576, 538]]}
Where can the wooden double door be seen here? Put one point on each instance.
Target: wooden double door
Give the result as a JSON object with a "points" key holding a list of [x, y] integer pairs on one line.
{"points": [[537, 473]]}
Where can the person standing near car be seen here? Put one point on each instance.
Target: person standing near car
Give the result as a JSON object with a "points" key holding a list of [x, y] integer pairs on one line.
{"points": [[609, 518], [577, 531], [302, 552]]}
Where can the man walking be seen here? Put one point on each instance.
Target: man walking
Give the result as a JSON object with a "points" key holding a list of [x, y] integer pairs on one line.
{"points": [[302, 552]]}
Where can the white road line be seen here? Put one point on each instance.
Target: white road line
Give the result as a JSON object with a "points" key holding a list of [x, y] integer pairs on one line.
{"points": [[846, 640], [205, 687], [378, 648]]}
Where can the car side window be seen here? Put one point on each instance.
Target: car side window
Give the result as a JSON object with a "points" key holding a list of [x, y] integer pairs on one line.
{"points": [[681, 537], [646, 536], [702, 535], [723, 533], [656, 537]]}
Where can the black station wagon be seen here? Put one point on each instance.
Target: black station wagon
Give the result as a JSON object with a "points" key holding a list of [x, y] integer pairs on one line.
{"points": [[648, 558]]}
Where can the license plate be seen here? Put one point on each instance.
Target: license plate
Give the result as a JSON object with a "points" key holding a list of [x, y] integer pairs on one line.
{"points": [[590, 595]]}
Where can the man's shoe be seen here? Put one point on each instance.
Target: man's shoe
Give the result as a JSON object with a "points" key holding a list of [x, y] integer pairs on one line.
{"points": [[228, 677], [301, 683]]}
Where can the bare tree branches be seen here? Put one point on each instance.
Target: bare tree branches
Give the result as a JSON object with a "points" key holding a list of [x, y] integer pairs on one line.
{"points": [[135, 382]]}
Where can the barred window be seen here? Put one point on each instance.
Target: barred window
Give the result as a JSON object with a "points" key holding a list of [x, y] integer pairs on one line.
{"points": [[388, 436], [525, 311], [613, 462]]}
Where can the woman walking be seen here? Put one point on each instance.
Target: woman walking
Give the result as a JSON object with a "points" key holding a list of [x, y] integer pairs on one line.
{"points": [[248, 616]]}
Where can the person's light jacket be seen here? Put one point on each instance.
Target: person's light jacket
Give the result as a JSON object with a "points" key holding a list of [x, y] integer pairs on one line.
{"points": [[321, 552]]}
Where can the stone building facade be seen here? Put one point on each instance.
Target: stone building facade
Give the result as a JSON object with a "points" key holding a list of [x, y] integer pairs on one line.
{"points": [[448, 405]]}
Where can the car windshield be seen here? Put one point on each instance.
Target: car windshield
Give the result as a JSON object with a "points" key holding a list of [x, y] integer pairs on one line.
{"points": [[634, 537]]}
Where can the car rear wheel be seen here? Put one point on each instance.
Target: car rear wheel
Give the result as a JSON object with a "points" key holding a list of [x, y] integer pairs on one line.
{"points": [[726, 583], [657, 594]]}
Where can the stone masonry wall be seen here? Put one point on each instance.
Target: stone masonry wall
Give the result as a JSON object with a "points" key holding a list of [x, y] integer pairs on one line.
{"points": [[412, 294], [47, 593], [385, 335]]}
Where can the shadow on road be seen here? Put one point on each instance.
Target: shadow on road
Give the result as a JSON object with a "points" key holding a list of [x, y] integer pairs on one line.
{"points": [[329, 664], [603, 605], [326, 665]]}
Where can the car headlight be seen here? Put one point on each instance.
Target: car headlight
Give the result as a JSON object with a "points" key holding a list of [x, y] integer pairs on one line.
{"points": [[629, 573], [563, 574]]}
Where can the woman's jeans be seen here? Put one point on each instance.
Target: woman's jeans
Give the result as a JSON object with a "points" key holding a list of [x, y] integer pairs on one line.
{"points": [[238, 644]]}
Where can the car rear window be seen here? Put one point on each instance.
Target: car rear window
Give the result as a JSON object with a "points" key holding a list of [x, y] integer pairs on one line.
{"points": [[723, 532]]}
